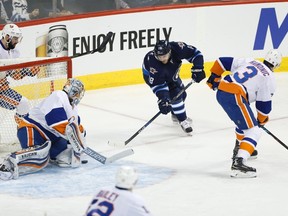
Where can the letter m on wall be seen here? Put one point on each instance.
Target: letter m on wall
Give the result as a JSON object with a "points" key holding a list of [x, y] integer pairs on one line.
{"points": [[268, 19]]}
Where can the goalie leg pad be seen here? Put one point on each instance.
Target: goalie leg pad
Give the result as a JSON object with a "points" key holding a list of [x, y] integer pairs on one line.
{"points": [[25, 161], [75, 137], [32, 159]]}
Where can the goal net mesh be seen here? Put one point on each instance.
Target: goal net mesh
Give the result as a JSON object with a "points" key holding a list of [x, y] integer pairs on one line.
{"points": [[33, 78]]}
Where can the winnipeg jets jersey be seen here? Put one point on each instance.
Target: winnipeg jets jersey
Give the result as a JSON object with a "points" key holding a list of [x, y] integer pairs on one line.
{"points": [[159, 76], [117, 202], [52, 114]]}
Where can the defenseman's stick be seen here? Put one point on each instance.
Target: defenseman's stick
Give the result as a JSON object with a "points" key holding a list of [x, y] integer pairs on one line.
{"points": [[106, 160], [101, 47], [276, 138], [119, 144]]}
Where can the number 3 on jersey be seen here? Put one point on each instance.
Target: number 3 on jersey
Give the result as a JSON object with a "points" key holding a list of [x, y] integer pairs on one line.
{"points": [[243, 77]]}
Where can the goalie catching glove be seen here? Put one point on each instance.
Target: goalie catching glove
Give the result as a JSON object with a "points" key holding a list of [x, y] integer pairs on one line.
{"points": [[75, 137]]}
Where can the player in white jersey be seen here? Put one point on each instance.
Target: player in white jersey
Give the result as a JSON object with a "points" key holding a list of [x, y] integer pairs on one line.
{"points": [[119, 200], [43, 134], [250, 81], [9, 98]]}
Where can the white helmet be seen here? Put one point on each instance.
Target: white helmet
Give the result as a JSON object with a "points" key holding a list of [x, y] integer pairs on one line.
{"points": [[12, 30], [274, 57], [126, 177], [75, 90]]}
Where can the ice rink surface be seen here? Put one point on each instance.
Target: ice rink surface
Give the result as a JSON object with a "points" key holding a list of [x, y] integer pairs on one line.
{"points": [[179, 174]]}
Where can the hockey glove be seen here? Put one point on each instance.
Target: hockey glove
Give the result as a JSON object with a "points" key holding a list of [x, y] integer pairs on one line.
{"points": [[213, 81], [262, 122], [164, 106], [198, 74]]}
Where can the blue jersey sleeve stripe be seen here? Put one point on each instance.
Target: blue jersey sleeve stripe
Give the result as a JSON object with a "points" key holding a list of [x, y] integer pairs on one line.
{"points": [[55, 116], [226, 62], [264, 106]]}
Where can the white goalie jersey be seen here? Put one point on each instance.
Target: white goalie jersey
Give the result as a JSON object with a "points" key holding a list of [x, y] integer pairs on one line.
{"points": [[54, 112]]}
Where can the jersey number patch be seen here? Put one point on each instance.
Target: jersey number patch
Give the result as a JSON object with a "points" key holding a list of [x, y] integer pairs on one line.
{"points": [[103, 208], [250, 73]]}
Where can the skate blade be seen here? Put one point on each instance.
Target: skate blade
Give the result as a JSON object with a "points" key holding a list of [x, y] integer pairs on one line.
{"points": [[239, 174]]}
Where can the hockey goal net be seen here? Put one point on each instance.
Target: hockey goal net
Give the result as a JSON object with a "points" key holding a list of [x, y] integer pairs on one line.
{"points": [[33, 78]]}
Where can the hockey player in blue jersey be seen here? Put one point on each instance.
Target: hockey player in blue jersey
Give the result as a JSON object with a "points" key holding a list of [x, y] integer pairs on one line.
{"points": [[51, 132], [161, 69], [251, 81]]}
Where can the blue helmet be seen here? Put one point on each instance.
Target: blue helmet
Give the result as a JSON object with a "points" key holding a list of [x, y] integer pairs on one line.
{"points": [[162, 47]]}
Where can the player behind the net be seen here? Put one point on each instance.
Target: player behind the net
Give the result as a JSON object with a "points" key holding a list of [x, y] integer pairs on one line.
{"points": [[9, 98], [51, 131], [251, 81], [161, 68], [119, 199]]}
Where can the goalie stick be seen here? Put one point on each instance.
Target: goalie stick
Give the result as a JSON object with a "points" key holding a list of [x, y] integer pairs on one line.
{"points": [[121, 144], [106, 160], [101, 47], [276, 138]]}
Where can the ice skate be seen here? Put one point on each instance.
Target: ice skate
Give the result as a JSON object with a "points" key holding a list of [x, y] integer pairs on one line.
{"points": [[186, 126], [240, 170], [176, 121]]}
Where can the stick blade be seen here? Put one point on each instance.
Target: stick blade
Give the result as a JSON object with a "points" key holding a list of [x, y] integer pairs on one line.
{"points": [[119, 155], [116, 144]]}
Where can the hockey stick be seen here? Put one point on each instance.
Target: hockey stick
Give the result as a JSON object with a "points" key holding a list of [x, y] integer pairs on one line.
{"points": [[101, 47], [276, 138], [119, 144], [106, 160]]}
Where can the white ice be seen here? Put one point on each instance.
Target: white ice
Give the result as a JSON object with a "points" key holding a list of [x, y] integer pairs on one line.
{"points": [[180, 174]]}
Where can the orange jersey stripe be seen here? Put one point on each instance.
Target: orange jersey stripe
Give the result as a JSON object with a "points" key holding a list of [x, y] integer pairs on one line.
{"points": [[233, 88], [217, 68], [23, 123], [244, 111], [61, 127]]}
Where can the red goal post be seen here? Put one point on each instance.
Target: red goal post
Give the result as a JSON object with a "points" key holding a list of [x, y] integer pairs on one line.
{"points": [[34, 78]]}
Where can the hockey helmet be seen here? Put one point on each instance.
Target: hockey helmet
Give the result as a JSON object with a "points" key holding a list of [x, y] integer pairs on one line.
{"points": [[126, 177], [75, 90], [12, 30], [274, 58], [162, 47]]}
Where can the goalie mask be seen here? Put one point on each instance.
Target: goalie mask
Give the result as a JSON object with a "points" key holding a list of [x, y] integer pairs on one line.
{"points": [[274, 58], [13, 32], [75, 90], [126, 177]]}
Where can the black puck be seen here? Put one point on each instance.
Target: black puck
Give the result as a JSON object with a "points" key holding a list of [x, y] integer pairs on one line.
{"points": [[84, 161]]}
